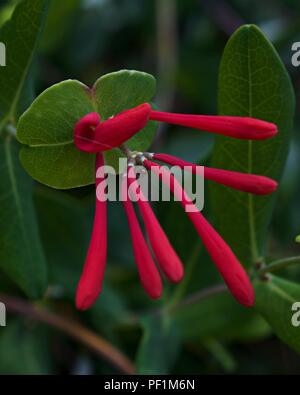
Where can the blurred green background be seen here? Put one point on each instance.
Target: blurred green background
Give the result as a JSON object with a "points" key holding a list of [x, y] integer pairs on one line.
{"points": [[180, 43]]}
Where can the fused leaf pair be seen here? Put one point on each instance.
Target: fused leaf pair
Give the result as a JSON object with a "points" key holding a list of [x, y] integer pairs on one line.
{"points": [[46, 129]]}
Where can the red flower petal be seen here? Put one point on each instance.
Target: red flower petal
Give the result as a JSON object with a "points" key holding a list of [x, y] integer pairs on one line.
{"points": [[90, 283], [165, 254], [120, 128], [84, 133], [149, 275], [251, 183], [238, 127], [221, 254]]}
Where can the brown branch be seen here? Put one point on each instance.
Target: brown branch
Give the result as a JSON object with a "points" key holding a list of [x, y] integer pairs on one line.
{"points": [[72, 328]]}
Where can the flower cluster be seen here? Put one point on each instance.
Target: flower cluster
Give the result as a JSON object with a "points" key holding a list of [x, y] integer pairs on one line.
{"points": [[93, 136]]}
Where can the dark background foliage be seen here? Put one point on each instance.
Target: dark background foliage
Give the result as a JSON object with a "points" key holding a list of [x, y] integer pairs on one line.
{"points": [[180, 43]]}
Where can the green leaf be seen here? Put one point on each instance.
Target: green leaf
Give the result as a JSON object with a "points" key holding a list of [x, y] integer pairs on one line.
{"points": [[21, 255], [274, 300], [159, 346], [46, 128], [20, 35], [252, 82], [121, 90]]}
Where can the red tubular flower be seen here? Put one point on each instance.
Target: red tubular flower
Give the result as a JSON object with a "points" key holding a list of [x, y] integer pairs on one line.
{"points": [[149, 275], [91, 135], [90, 283], [84, 133], [165, 254], [120, 128], [251, 183], [238, 127], [226, 262]]}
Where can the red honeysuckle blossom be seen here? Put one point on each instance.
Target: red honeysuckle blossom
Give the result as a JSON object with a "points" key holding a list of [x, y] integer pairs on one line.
{"points": [[226, 262], [237, 127], [149, 275], [113, 132], [165, 255], [259, 185], [90, 283], [92, 135]]}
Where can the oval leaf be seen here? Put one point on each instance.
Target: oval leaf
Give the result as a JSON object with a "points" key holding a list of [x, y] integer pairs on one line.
{"points": [[119, 91], [21, 254], [46, 129], [252, 82]]}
